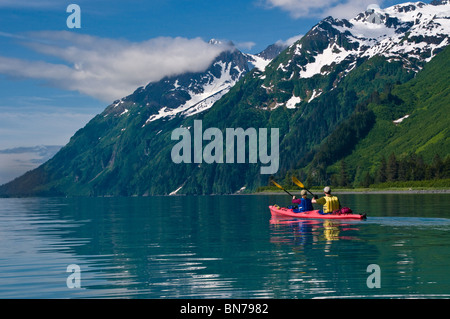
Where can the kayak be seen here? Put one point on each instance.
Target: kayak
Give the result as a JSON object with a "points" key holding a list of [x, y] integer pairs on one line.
{"points": [[287, 212]]}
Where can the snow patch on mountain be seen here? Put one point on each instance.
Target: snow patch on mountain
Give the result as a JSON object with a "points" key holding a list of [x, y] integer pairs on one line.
{"points": [[401, 119], [290, 104], [315, 94], [258, 62], [124, 112], [332, 54], [204, 98]]}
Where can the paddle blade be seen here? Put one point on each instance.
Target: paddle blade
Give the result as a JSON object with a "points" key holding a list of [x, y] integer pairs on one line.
{"points": [[297, 182], [277, 185], [281, 187]]}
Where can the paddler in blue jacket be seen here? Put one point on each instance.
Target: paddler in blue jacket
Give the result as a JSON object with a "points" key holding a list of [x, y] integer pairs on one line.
{"points": [[304, 203]]}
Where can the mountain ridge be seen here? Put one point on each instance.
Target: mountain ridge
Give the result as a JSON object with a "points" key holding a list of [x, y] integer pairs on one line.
{"points": [[315, 90]]}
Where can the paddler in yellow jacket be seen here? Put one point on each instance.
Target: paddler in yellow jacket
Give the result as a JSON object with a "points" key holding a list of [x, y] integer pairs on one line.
{"points": [[330, 203]]}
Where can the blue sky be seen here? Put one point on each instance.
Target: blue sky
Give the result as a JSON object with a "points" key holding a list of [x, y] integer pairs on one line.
{"points": [[53, 79]]}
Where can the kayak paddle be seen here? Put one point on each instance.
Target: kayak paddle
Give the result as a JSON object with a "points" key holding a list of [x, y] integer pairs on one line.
{"points": [[281, 187], [299, 184]]}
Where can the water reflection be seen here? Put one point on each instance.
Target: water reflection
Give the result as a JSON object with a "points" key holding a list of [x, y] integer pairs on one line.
{"points": [[323, 254], [214, 247], [302, 231]]}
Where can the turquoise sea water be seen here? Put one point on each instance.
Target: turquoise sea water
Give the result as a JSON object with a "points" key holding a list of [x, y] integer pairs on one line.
{"points": [[222, 247]]}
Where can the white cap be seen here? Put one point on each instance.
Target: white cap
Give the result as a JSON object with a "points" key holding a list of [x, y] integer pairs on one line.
{"points": [[327, 189]]}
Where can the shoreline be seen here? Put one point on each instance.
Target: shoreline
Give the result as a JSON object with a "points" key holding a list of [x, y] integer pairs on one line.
{"points": [[381, 191]]}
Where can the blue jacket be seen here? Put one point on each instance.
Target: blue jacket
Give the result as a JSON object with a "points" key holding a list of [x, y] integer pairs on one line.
{"points": [[304, 204]]}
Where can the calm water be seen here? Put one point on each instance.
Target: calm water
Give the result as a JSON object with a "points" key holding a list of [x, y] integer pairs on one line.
{"points": [[222, 247]]}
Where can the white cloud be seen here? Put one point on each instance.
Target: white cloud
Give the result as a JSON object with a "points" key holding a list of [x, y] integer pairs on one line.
{"points": [[291, 40], [321, 8], [350, 8], [108, 69], [30, 4], [246, 45]]}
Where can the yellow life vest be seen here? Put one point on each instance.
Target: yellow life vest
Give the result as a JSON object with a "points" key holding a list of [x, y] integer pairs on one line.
{"points": [[330, 203]]}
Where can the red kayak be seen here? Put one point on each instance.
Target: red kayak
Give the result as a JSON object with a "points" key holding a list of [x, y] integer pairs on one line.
{"points": [[287, 212]]}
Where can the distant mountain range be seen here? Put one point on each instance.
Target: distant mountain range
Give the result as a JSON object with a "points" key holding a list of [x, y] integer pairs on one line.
{"points": [[18, 160], [350, 91]]}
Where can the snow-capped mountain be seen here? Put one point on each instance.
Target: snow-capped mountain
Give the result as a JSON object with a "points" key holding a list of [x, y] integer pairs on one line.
{"points": [[192, 93], [412, 33], [408, 31]]}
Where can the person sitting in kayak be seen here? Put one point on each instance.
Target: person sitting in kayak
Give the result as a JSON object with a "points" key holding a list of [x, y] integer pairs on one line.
{"points": [[330, 203], [304, 203]]}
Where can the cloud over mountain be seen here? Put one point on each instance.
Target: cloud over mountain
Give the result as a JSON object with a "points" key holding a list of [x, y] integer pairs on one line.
{"points": [[321, 8], [104, 68]]}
